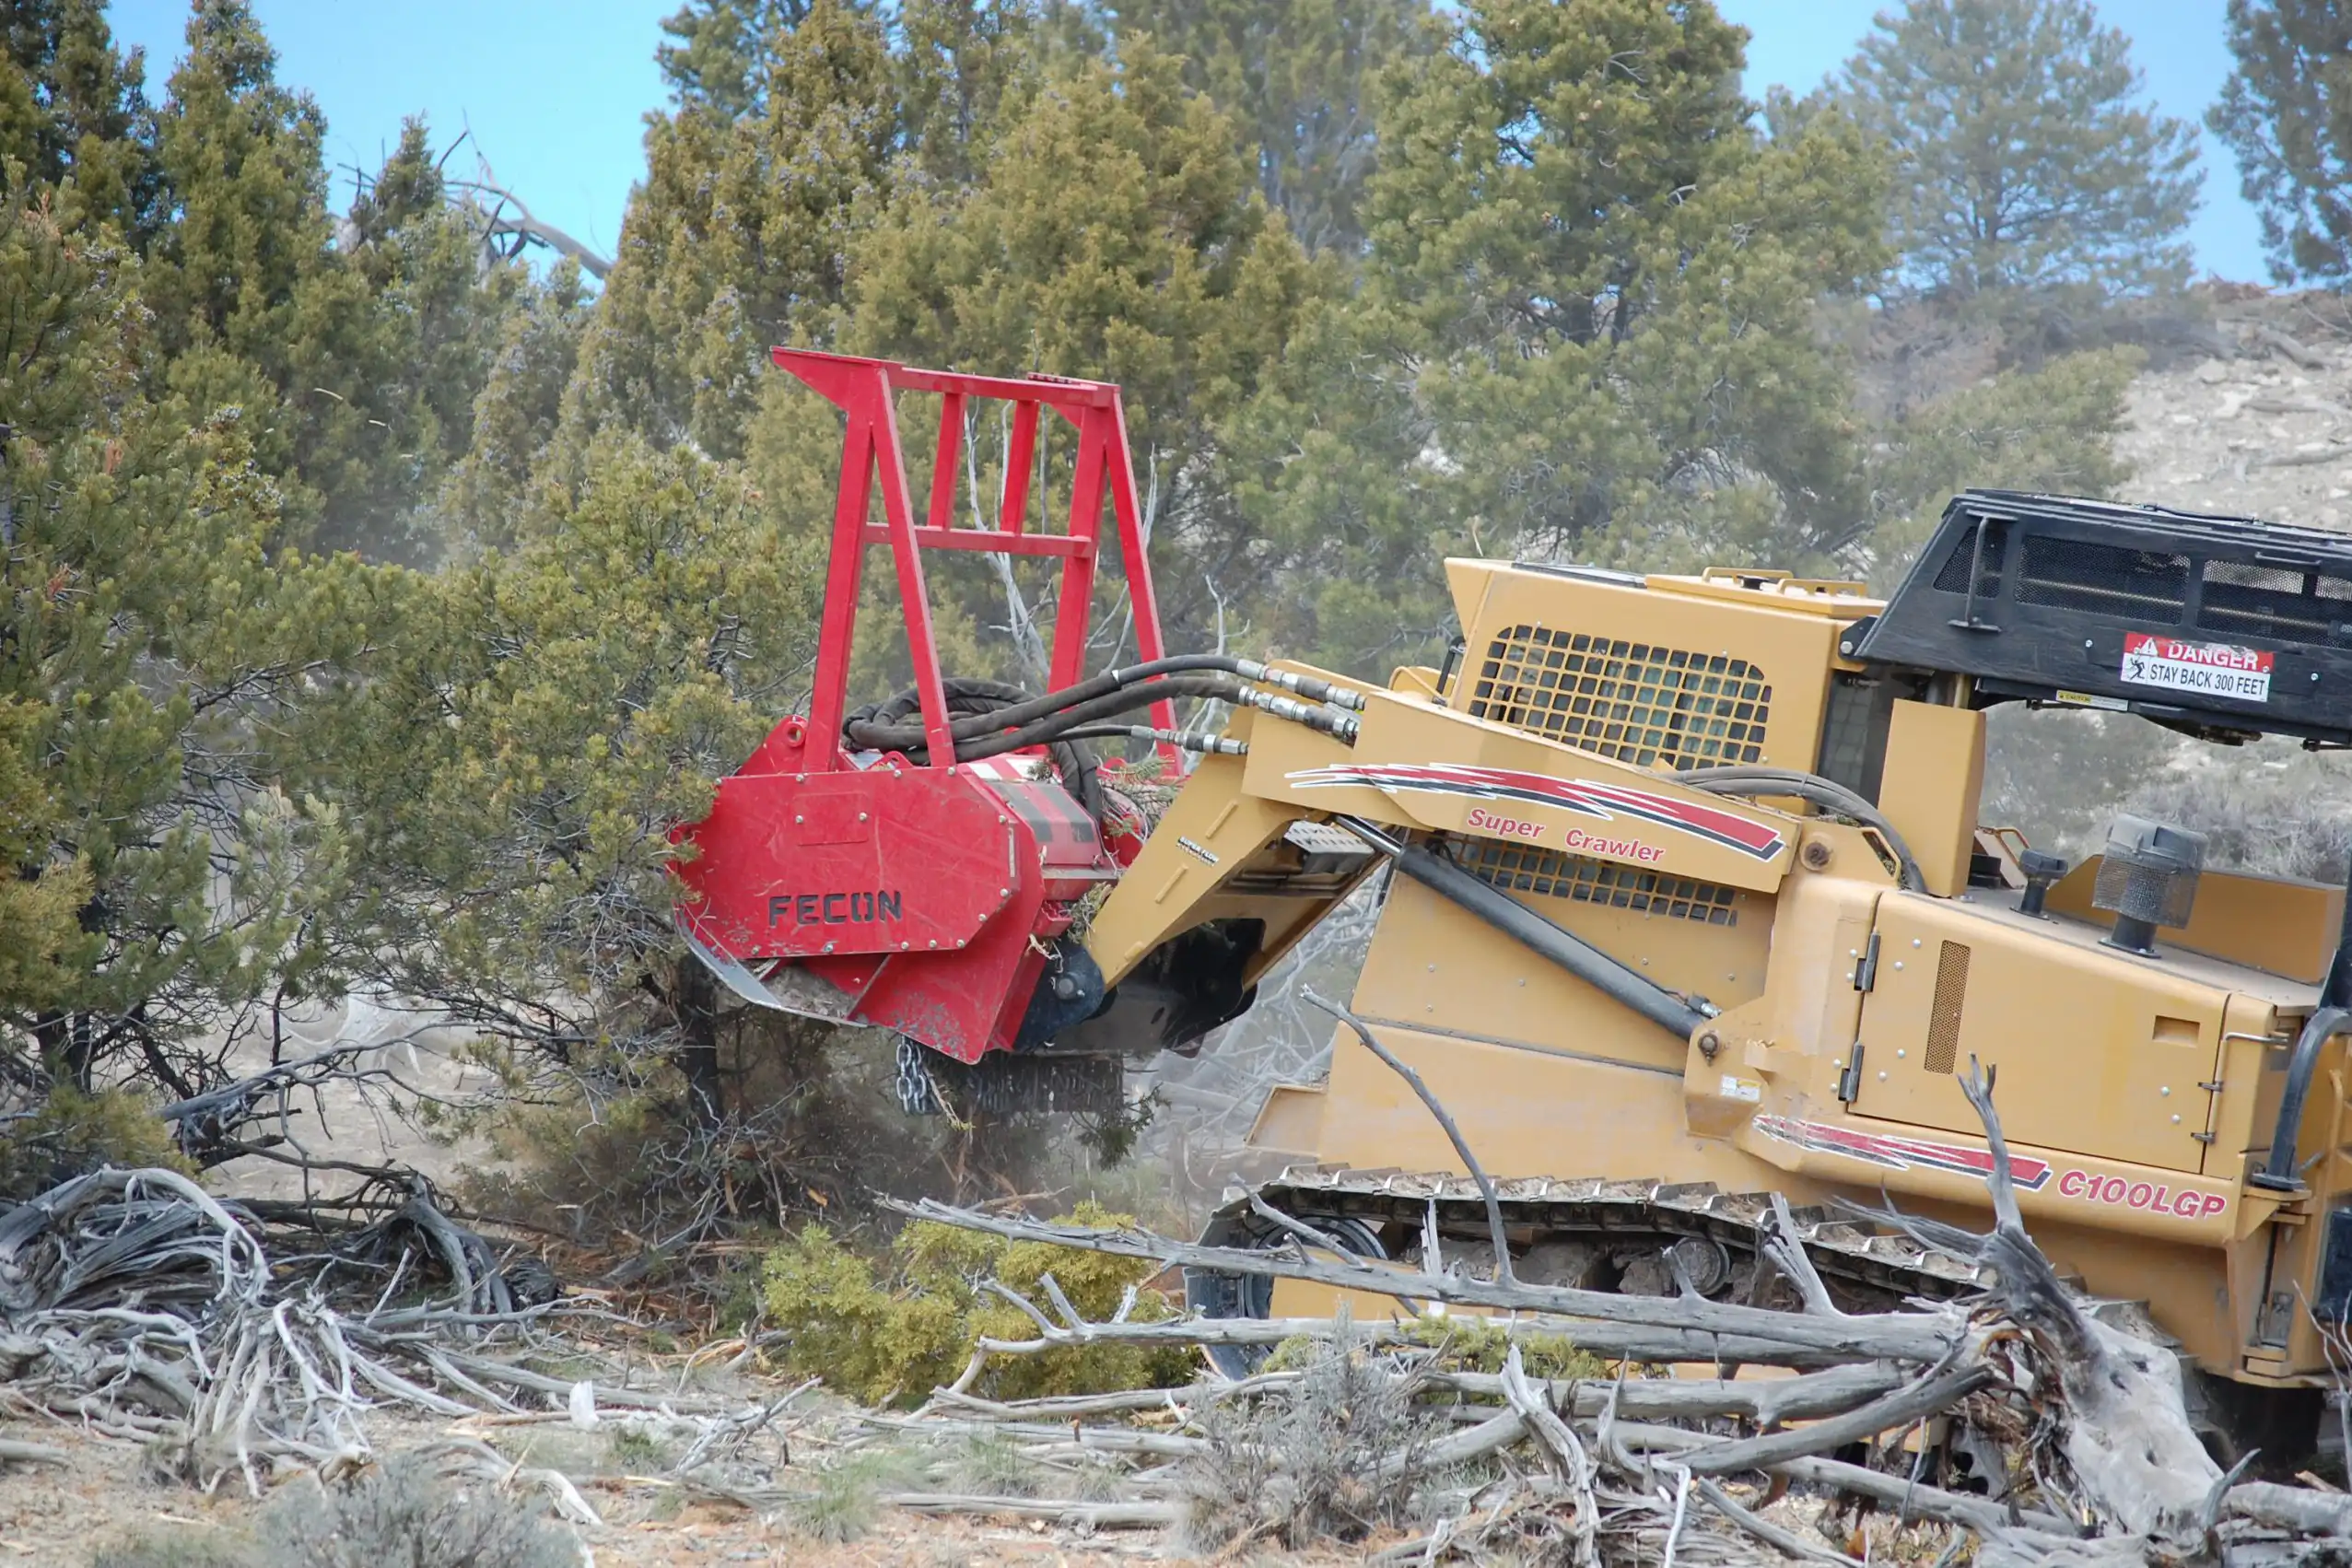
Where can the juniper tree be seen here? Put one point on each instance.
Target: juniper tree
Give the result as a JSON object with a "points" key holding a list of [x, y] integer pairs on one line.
{"points": [[2285, 111], [1300, 83], [2024, 156], [1586, 326]]}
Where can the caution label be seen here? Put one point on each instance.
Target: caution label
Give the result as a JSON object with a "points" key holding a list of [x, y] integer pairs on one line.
{"points": [[2208, 669]]}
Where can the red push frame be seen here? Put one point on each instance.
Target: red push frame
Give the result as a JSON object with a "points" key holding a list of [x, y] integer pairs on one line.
{"points": [[863, 389]]}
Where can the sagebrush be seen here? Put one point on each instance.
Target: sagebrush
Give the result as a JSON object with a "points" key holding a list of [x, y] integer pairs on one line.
{"points": [[402, 1514], [889, 1335]]}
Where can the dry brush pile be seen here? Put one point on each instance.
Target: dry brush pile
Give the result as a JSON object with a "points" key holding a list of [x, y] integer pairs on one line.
{"points": [[2055, 1438], [1493, 1419]]}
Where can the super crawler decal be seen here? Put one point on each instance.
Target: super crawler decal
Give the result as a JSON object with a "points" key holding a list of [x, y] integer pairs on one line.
{"points": [[1607, 803]]}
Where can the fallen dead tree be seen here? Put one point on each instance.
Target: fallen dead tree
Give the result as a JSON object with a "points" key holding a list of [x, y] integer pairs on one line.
{"points": [[135, 1304], [2012, 1420]]}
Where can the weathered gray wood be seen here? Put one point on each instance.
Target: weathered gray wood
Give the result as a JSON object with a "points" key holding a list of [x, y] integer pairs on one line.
{"points": [[1610, 1341], [1764, 1529], [1767, 1401], [1930, 1396], [1063, 1511], [1498, 1235], [1900, 1336], [2138, 1465]]}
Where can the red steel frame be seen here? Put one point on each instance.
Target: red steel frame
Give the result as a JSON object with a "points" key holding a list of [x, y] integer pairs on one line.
{"points": [[864, 389]]}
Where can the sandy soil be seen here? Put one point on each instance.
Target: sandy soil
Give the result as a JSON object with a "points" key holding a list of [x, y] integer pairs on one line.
{"points": [[53, 1517]]}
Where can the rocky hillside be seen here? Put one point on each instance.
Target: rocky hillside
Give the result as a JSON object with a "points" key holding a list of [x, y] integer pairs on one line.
{"points": [[2262, 425]]}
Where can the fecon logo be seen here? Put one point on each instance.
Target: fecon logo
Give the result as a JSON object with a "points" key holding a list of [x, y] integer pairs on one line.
{"points": [[831, 908]]}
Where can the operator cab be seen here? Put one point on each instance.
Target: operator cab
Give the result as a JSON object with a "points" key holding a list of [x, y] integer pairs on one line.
{"points": [[2224, 628]]}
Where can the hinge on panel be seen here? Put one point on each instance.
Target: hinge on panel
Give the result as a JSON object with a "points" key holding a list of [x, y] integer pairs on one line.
{"points": [[1866, 971], [1850, 1081], [2212, 1088], [2205, 1137]]}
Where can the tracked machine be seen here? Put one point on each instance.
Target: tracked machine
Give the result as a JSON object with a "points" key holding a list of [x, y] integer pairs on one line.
{"points": [[1683, 900]]}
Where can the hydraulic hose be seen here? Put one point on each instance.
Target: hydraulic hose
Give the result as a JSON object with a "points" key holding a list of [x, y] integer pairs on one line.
{"points": [[890, 717], [1589, 964], [1184, 740], [1746, 781], [2278, 1172], [988, 737]]}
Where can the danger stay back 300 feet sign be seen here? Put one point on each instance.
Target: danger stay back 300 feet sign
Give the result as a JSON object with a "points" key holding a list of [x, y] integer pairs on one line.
{"points": [[2208, 669]]}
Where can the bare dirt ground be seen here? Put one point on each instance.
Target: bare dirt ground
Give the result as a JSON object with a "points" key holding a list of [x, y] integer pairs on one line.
{"points": [[53, 1517]]}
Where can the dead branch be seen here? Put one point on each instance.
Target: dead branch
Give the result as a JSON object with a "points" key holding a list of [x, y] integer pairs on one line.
{"points": [[1898, 1410], [1060, 1511], [1498, 1233], [2127, 1437], [1907, 1336], [2272, 338], [1771, 1534]]}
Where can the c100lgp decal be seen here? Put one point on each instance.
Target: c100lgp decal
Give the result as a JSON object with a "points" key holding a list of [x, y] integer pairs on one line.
{"points": [[1606, 802]]}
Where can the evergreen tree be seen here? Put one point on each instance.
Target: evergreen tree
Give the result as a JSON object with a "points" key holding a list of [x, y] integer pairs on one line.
{"points": [[153, 655], [517, 413], [1114, 231], [739, 236], [538, 722], [1587, 327], [2285, 111], [74, 110], [2025, 159], [1298, 81], [722, 55], [368, 355]]}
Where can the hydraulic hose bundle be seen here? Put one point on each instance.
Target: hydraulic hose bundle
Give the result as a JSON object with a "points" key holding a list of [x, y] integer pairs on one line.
{"points": [[989, 718], [1750, 780]]}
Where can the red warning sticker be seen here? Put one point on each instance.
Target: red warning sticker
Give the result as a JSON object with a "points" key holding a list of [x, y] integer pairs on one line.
{"points": [[2208, 669]]}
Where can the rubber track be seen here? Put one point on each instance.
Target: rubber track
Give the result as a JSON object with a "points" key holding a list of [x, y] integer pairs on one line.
{"points": [[1844, 1249]]}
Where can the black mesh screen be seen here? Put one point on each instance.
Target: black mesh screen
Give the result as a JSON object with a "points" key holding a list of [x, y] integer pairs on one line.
{"points": [[1527, 869], [2278, 602], [1952, 576], [2073, 574]]}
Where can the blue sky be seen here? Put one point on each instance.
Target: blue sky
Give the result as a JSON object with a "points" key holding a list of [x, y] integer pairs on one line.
{"points": [[556, 91]]}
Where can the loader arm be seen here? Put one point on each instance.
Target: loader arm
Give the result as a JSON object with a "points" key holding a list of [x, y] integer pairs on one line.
{"points": [[1257, 849]]}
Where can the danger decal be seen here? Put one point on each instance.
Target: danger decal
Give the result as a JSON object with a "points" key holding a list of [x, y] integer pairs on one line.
{"points": [[1607, 803], [2208, 669]]}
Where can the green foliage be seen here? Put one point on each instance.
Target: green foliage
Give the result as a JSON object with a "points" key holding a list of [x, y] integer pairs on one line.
{"points": [[636, 1450], [73, 115], [2026, 159], [2048, 430], [1473, 1343], [1642, 384], [722, 53], [1299, 81], [154, 636], [892, 1335], [401, 1511], [2285, 111], [738, 238], [545, 716], [40, 897], [992, 1466], [841, 1501], [71, 1133]]}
